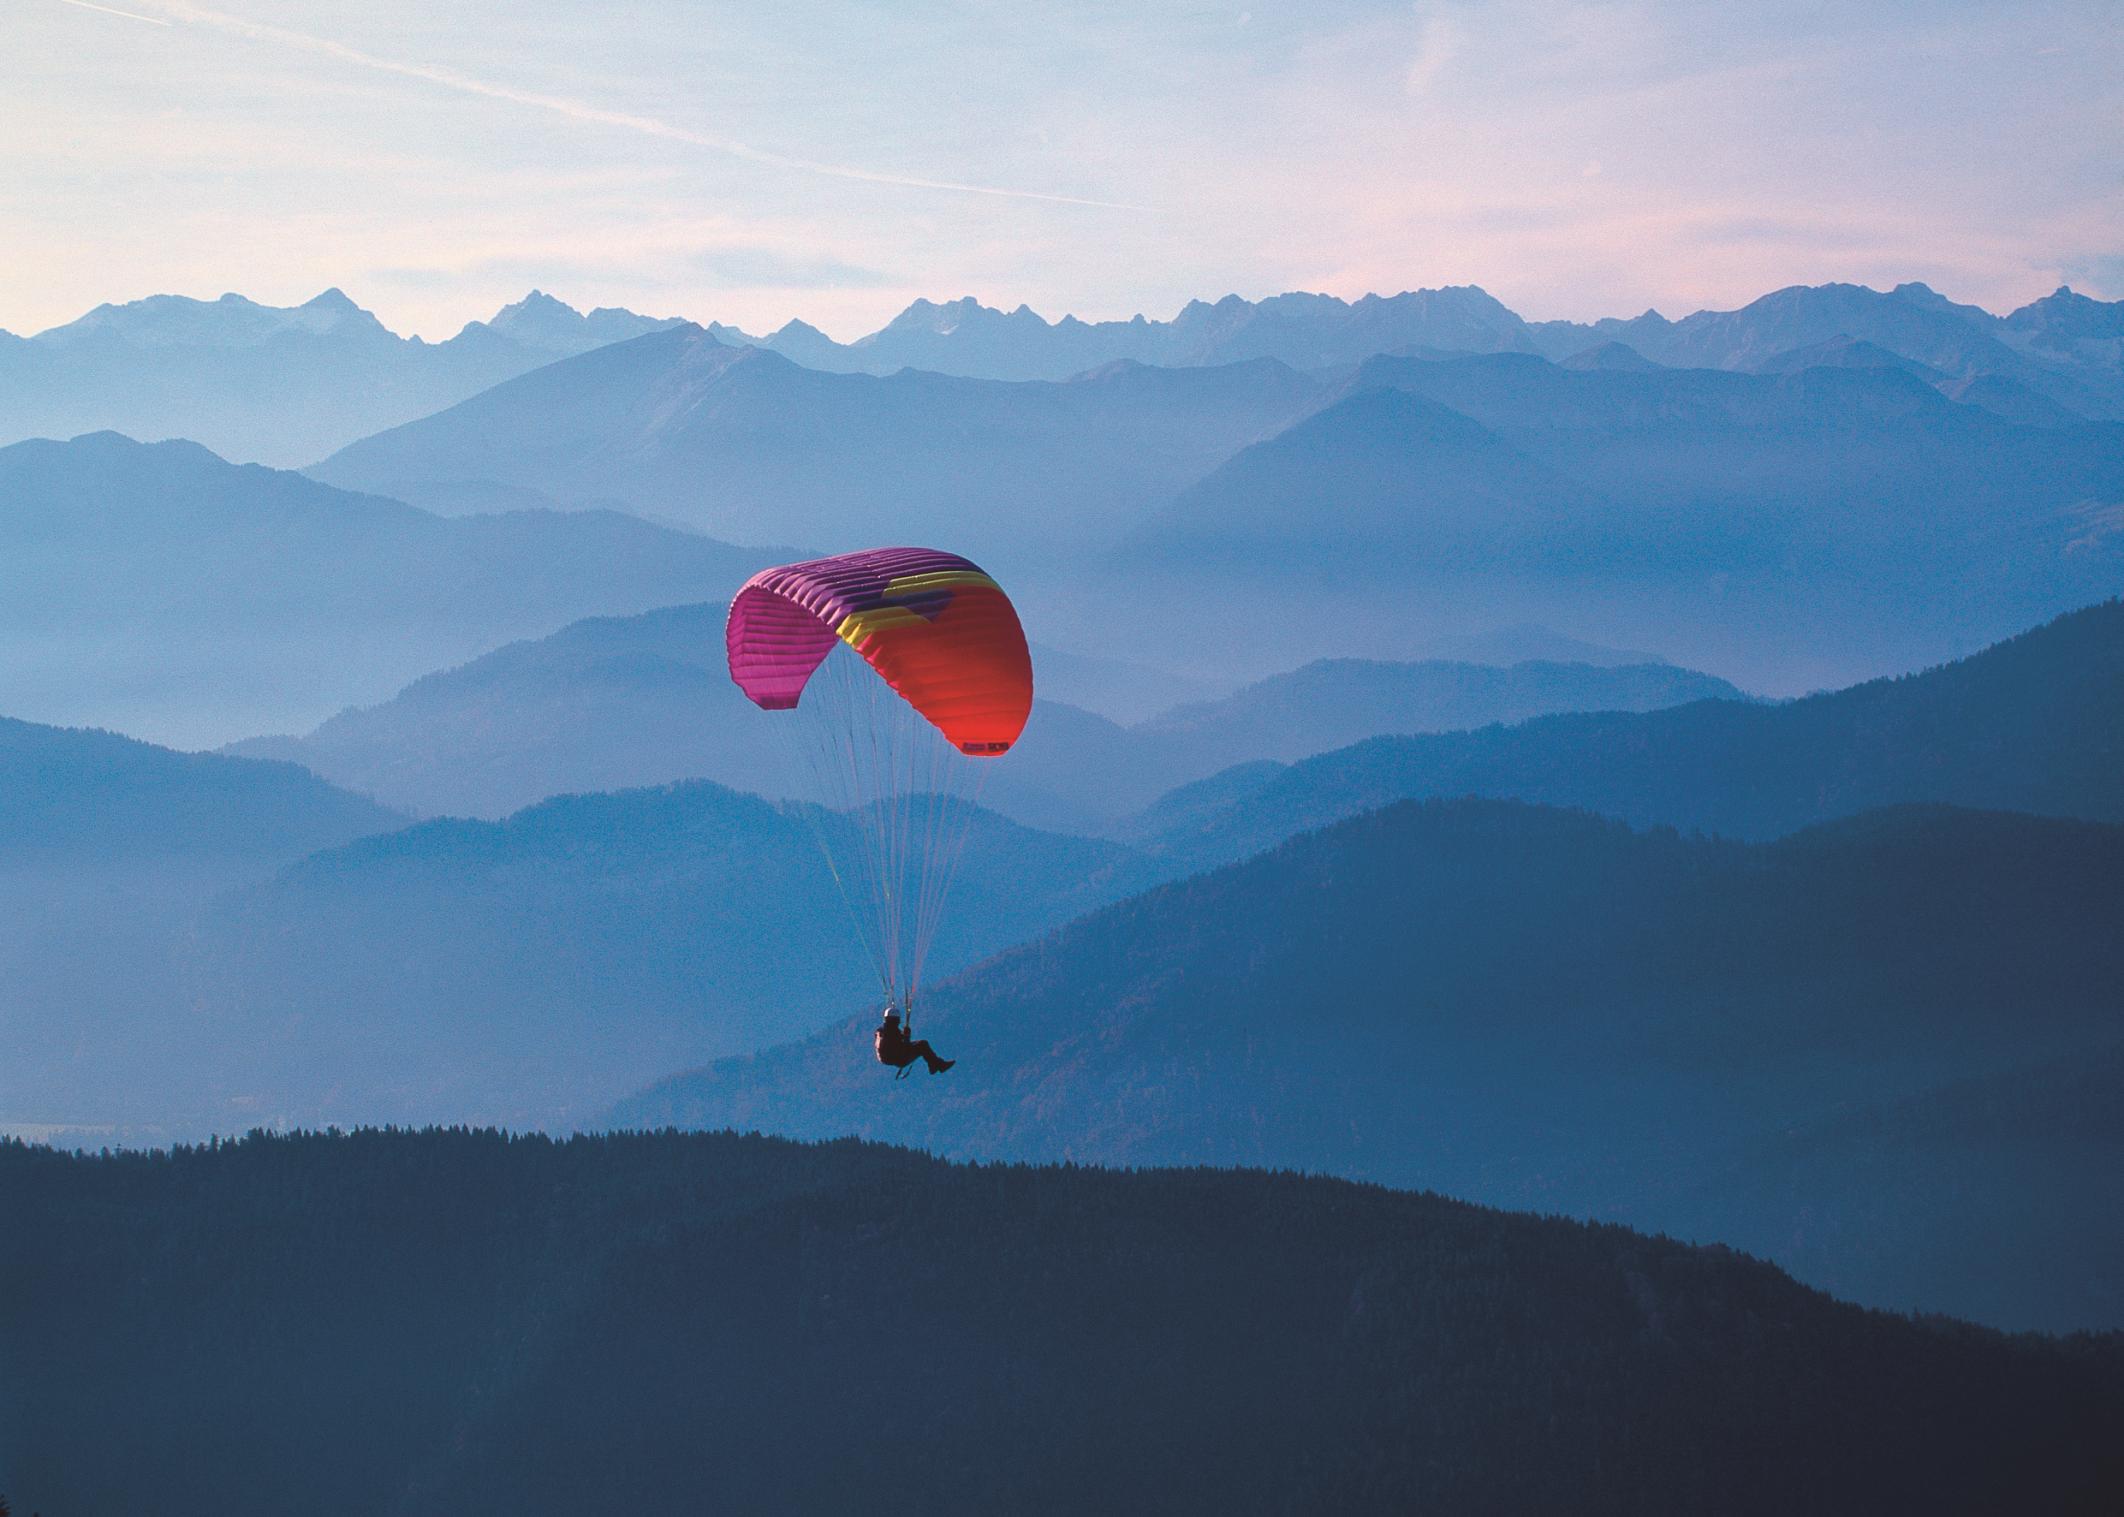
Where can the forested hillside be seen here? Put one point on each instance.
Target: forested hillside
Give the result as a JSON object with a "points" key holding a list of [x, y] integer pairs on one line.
{"points": [[1545, 1009], [449, 1322]]}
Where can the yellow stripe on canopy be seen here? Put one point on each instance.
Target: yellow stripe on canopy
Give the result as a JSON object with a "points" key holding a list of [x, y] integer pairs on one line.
{"points": [[940, 579], [858, 626]]}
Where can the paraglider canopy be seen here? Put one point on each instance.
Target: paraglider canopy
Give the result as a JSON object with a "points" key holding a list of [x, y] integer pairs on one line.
{"points": [[934, 627], [898, 673]]}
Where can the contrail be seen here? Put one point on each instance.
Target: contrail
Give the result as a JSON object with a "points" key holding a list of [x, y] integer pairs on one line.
{"points": [[112, 10], [577, 110]]}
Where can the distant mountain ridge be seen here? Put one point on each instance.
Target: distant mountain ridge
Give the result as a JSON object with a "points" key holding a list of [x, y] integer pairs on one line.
{"points": [[290, 385], [1306, 331], [1365, 510], [2035, 723], [2067, 346], [1911, 321], [752, 447], [157, 589], [280, 385], [1701, 511]]}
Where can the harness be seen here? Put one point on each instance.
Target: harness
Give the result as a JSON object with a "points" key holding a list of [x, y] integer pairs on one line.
{"points": [[896, 1051]]}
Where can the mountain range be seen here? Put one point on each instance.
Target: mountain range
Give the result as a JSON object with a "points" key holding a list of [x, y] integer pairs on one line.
{"points": [[531, 971], [1548, 1011], [2035, 723], [289, 385], [752, 447], [108, 848], [2054, 347], [1306, 331], [156, 589], [512, 949], [279, 385], [1249, 518], [1704, 512], [2064, 347], [445, 1322], [644, 700]]}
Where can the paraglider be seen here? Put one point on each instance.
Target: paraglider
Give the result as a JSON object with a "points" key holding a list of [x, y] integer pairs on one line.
{"points": [[897, 1049], [896, 676]]}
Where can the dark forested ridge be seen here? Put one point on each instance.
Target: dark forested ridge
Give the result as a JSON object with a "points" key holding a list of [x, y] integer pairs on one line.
{"points": [[1952, 1195], [1545, 1009], [2035, 723], [456, 1322]]}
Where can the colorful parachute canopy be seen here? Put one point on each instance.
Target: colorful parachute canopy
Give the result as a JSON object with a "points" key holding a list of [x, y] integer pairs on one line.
{"points": [[940, 632]]}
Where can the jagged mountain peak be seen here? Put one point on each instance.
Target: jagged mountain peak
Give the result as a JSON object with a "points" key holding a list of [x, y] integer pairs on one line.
{"points": [[229, 319]]}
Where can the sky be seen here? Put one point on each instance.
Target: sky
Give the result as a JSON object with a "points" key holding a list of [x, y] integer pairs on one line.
{"points": [[755, 162]]}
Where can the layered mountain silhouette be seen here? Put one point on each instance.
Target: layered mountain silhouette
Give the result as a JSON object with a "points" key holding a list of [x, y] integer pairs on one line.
{"points": [[1367, 484], [289, 385], [2071, 324], [415, 1322], [2065, 346], [1543, 1009], [156, 589], [1307, 331], [1327, 704], [2035, 724], [108, 848], [1792, 529], [744, 444], [643, 700], [1911, 321], [271, 384], [1246, 518], [533, 970], [84, 795]]}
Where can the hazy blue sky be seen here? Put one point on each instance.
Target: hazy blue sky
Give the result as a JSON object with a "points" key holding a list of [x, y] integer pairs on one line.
{"points": [[753, 162]]}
